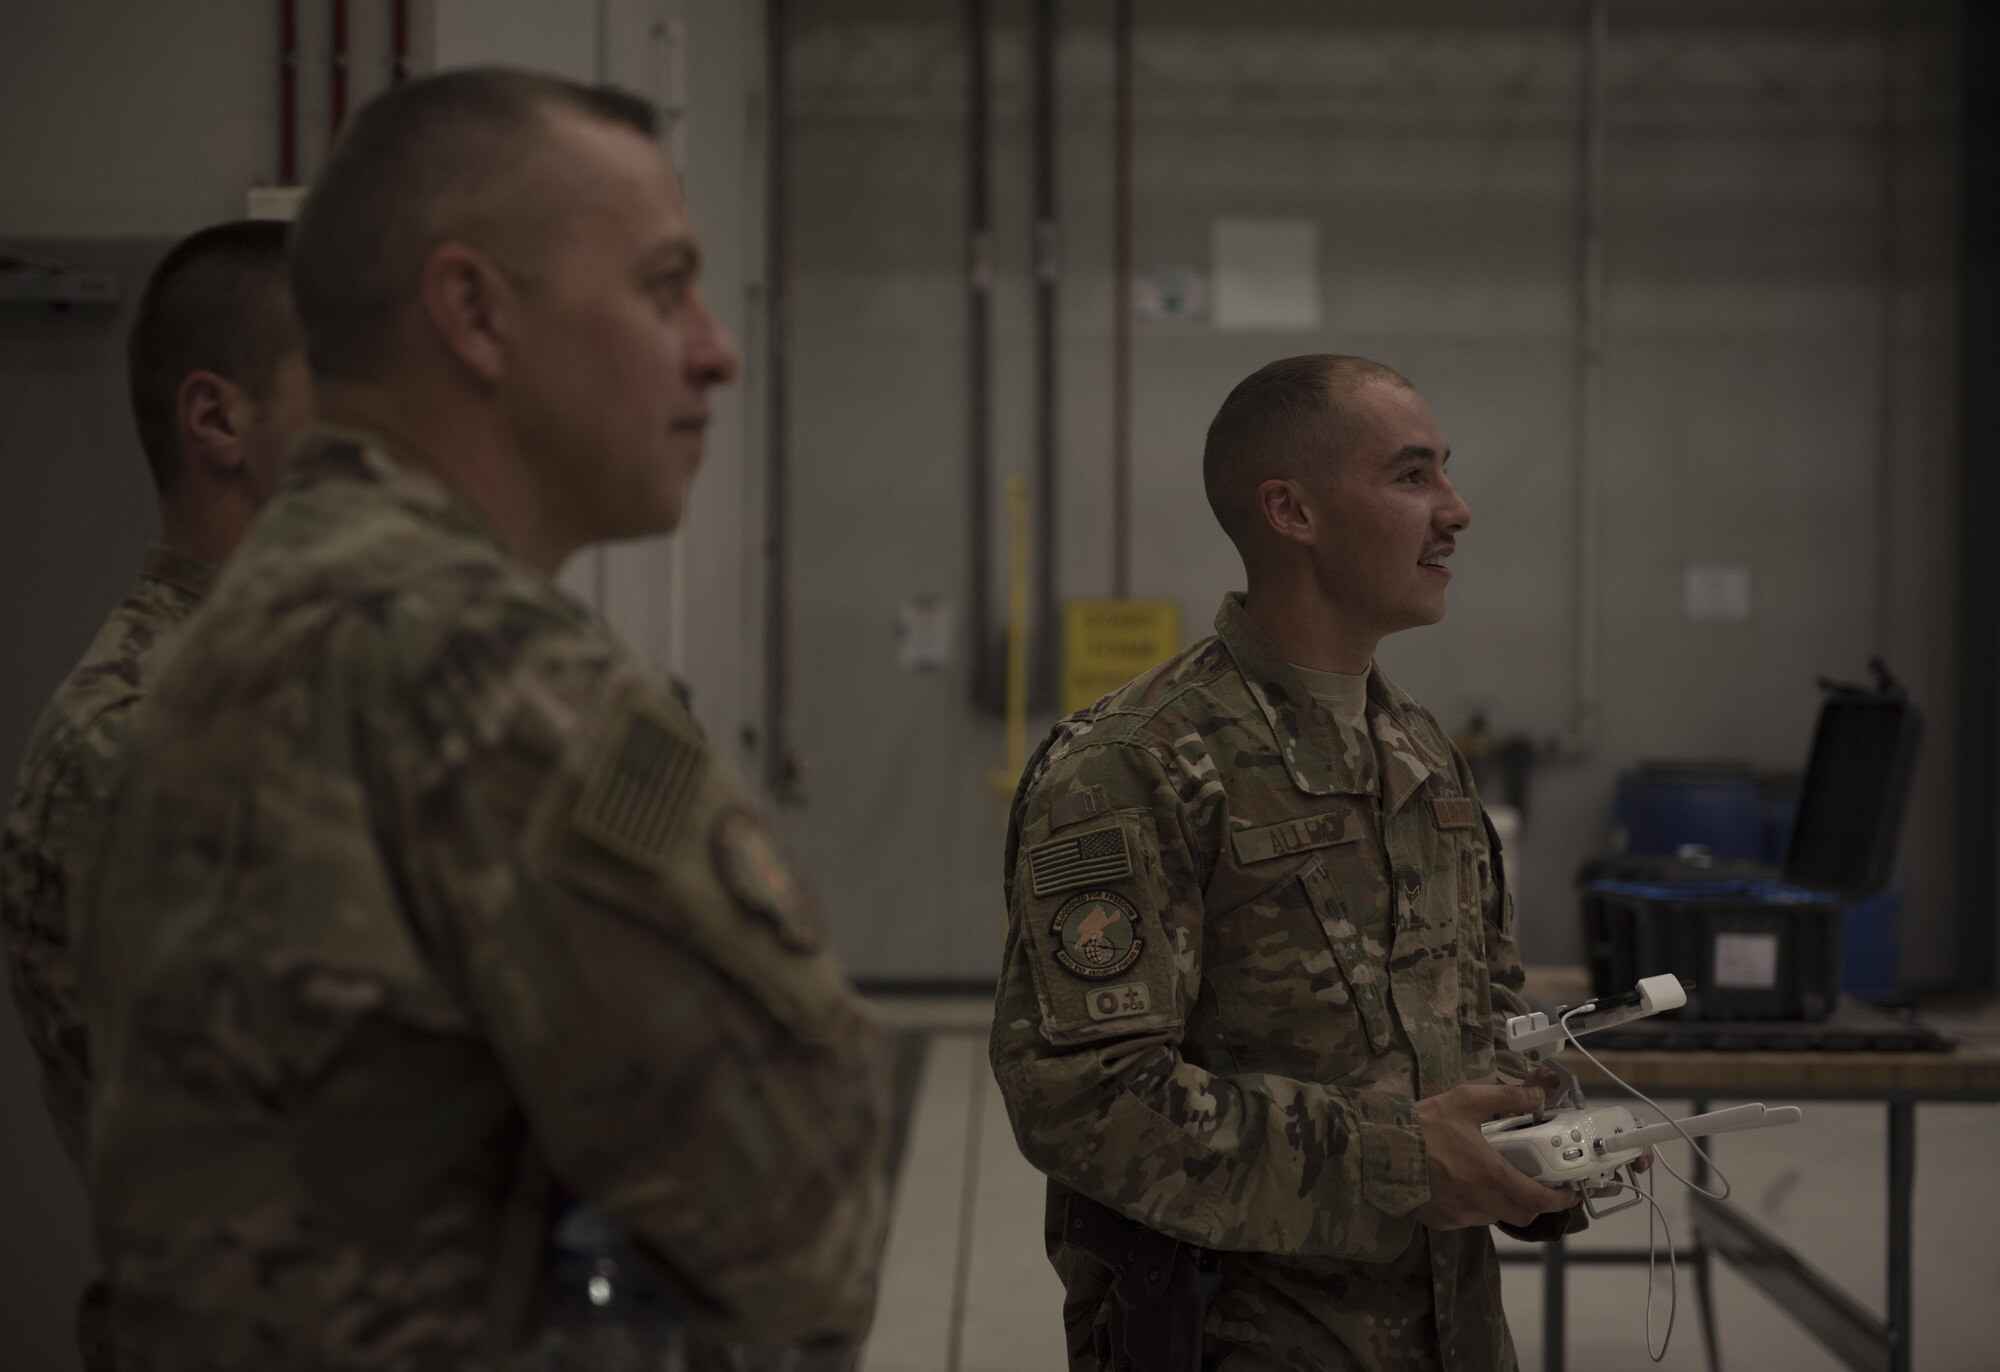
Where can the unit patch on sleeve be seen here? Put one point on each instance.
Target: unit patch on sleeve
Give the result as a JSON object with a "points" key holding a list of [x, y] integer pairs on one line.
{"points": [[639, 786], [749, 864], [1118, 1002], [1097, 935], [1080, 860]]}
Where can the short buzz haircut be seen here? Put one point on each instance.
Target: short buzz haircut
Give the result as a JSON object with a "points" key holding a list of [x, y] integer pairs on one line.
{"points": [[433, 161], [215, 303], [1287, 419]]}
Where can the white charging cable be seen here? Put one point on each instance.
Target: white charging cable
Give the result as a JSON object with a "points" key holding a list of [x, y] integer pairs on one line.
{"points": [[1685, 1137], [1657, 1212]]}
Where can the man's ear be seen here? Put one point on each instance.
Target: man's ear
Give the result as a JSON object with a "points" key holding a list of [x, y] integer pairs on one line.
{"points": [[1282, 506], [464, 295], [214, 415]]}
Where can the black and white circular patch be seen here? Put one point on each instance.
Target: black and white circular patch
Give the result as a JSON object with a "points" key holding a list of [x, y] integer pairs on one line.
{"points": [[1097, 934]]}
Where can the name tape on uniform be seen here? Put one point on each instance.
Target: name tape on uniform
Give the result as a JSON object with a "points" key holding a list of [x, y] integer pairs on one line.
{"points": [[1289, 836]]}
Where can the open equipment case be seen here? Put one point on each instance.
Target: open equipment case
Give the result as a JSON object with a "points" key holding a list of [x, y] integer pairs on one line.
{"points": [[1760, 946]]}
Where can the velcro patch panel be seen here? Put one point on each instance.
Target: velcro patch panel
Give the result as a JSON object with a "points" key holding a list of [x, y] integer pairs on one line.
{"points": [[1074, 806], [1455, 812]]}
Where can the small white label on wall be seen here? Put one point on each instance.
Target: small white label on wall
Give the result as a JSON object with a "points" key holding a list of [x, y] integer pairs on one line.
{"points": [[1171, 293], [923, 634], [1746, 962], [1718, 593]]}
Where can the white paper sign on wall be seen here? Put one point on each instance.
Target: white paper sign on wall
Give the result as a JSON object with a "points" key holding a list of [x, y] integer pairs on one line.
{"points": [[1266, 274], [1717, 593]]}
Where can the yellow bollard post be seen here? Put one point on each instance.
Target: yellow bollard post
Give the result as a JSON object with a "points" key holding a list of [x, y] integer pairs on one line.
{"points": [[1004, 781]]}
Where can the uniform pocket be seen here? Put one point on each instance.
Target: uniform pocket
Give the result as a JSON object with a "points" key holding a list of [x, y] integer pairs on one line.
{"points": [[1366, 976]]}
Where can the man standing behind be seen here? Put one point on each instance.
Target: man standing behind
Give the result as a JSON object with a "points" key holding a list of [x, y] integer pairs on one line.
{"points": [[1261, 946], [423, 890], [219, 387]]}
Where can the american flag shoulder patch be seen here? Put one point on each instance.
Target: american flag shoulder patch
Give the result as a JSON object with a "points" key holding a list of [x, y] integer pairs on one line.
{"points": [[1085, 859], [639, 787]]}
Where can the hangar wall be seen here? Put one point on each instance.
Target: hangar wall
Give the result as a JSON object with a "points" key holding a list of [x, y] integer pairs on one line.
{"points": [[1777, 383]]}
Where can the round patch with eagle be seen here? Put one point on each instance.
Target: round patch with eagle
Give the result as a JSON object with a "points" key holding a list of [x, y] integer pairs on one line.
{"points": [[1098, 934], [757, 875]]}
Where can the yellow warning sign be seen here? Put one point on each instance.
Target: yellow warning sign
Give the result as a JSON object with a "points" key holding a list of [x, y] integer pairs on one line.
{"points": [[1108, 642]]}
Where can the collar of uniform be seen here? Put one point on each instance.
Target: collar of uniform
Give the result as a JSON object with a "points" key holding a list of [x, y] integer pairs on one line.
{"points": [[327, 452], [1408, 753], [1321, 757], [184, 572]]}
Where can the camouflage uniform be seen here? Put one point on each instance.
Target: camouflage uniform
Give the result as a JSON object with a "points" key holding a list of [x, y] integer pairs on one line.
{"points": [[1243, 941], [421, 888], [53, 828]]}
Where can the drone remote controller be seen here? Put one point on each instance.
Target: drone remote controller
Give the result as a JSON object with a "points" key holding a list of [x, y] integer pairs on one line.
{"points": [[1565, 1142], [1589, 1148]]}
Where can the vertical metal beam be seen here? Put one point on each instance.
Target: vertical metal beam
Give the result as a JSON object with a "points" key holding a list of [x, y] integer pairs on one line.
{"points": [[1891, 282], [288, 92], [1121, 301], [1902, 1185], [1977, 807], [600, 72], [1047, 632], [780, 766], [1704, 1259], [1589, 373], [1554, 1295], [987, 685]]}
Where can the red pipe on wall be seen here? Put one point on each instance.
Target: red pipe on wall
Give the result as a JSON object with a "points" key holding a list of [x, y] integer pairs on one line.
{"points": [[1121, 301], [399, 41], [288, 92], [338, 112]]}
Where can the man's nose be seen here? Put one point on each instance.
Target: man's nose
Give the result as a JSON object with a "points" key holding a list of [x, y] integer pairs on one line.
{"points": [[714, 358], [1456, 516]]}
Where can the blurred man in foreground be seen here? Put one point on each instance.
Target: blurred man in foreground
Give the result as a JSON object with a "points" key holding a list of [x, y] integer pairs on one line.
{"points": [[218, 382], [1261, 947], [424, 892]]}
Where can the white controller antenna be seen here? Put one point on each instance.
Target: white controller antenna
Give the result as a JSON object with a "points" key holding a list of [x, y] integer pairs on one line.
{"points": [[1718, 1122]]}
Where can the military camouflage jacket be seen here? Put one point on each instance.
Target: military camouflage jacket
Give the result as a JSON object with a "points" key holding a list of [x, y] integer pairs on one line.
{"points": [[423, 892], [1242, 943], [59, 802]]}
